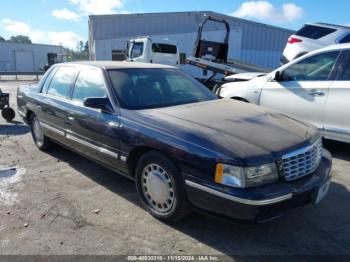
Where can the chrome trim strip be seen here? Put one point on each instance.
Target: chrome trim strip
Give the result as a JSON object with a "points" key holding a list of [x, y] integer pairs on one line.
{"points": [[238, 199], [53, 129], [97, 148], [302, 150], [337, 130]]}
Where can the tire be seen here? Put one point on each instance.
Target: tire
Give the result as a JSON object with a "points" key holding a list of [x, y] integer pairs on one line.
{"points": [[40, 140], [161, 188], [8, 114]]}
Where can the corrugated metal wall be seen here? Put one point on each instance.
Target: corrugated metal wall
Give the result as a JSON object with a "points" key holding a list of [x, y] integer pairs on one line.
{"points": [[26, 57], [260, 44]]}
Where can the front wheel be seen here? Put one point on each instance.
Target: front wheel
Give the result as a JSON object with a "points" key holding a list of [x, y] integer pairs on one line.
{"points": [[40, 140], [161, 188]]}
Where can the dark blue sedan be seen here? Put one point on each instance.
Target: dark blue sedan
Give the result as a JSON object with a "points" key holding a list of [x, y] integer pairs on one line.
{"points": [[184, 147]]}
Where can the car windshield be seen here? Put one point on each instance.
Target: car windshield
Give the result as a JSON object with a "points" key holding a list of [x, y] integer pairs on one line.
{"points": [[156, 87]]}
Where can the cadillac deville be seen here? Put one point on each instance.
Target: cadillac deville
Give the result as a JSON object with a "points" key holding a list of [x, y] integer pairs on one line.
{"points": [[185, 148]]}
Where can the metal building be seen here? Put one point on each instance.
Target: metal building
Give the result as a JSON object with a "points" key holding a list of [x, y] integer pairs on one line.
{"points": [[250, 42], [15, 57]]}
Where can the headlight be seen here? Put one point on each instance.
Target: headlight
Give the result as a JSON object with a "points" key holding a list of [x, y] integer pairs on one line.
{"points": [[229, 175], [261, 175], [246, 176]]}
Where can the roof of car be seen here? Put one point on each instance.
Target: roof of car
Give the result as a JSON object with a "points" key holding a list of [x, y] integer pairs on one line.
{"points": [[118, 65], [330, 25], [333, 47]]}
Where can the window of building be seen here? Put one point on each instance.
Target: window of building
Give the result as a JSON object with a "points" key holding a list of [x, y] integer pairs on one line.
{"points": [[118, 55]]}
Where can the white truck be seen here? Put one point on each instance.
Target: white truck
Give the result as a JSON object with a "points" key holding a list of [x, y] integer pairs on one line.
{"points": [[152, 50], [207, 55]]}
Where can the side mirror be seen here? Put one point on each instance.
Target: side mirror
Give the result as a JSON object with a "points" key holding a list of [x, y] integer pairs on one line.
{"points": [[102, 103], [278, 76]]}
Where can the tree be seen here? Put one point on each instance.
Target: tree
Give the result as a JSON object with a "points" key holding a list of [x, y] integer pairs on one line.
{"points": [[86, 47], [81, 46], [20, 39], [2, 39]]}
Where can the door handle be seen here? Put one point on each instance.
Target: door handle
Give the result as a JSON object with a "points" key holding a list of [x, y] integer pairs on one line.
{"points": [[70, 117], [316, 93], [69, 120]]}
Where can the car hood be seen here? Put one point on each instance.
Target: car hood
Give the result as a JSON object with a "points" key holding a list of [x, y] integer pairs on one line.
{"points": [[233, 129], [232, 89], [244, 76]]}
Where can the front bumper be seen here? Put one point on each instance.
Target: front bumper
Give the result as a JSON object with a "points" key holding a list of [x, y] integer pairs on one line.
{"points": [[258, 204]]}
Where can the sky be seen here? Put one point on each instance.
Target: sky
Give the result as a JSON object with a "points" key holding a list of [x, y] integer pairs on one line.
{"points": [[65, 22]]}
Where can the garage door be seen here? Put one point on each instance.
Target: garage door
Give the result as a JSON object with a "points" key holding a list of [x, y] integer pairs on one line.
{"points": [[24, 61]]}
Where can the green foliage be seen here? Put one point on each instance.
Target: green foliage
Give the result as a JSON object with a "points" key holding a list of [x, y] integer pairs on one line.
{"points": [[80, 54], [86, 46], [20, 39]]}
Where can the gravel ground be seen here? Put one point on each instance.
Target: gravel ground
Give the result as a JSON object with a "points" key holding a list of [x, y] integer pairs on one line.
{"points": [[61, 203]]}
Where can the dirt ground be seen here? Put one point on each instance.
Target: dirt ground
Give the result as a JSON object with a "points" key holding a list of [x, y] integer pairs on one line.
{"points": [[61, 203]]}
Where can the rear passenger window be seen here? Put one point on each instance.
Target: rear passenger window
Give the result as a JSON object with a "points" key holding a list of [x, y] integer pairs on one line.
{"points": [[90, 83], [164, 48], [314, 32], [62, 81], [346, 73], [47, 80]]}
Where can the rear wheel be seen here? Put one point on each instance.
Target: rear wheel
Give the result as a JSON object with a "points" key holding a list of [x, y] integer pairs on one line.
{"points": [[161, 188], [40, 140], [8, 114]]}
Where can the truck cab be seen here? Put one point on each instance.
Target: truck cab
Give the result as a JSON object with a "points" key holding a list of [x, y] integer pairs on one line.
{"points": [[158, 51]]}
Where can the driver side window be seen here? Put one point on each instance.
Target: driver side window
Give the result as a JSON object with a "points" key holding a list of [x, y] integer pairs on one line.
{"points": [[314, 68]]}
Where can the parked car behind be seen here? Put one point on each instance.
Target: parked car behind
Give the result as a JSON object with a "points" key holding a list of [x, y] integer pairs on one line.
{"points": [[315, 88], [182, 145], [312, 37]]}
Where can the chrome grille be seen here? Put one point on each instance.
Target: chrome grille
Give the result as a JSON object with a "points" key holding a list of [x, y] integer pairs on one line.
{"points": [[302, 162]]}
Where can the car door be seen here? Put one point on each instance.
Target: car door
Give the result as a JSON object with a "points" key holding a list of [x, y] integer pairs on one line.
{"points": [[92, 131], [301, 89], [55, 101], [337, 122]]}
